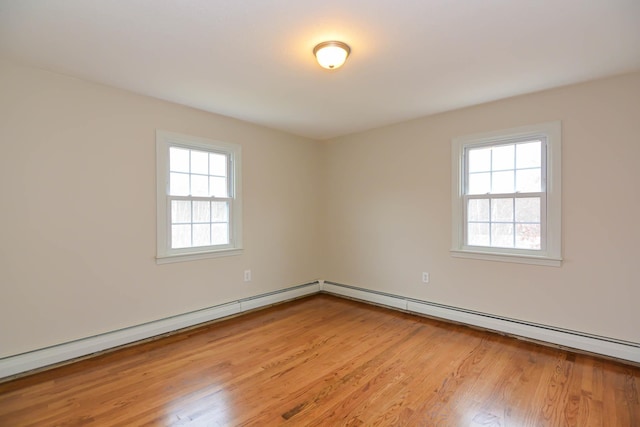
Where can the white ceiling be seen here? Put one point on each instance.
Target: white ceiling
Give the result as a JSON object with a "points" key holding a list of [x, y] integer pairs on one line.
{"points": [[252, 59]]}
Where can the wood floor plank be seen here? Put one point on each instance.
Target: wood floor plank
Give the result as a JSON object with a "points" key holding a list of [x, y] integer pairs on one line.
{"points": [[325, 361]]}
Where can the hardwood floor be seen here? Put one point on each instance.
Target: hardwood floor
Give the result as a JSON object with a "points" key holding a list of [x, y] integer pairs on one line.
{"points": [[325, 361]]}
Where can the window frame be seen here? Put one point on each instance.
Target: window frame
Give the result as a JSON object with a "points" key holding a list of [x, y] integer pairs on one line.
{"points": [[164, 253], [550, 253]]}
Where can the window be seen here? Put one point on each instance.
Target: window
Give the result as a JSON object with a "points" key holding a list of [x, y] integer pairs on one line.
{"points": [[199, 208], [506, 195]]}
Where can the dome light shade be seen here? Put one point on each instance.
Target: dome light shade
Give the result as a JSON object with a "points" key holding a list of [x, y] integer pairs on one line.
{"points": [[331, 55]]}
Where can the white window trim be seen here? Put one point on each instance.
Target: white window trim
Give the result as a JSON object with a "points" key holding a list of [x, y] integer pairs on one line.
{"points": [[164, 254], [552, 256]]}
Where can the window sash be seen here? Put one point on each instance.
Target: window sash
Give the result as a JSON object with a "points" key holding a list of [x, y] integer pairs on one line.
{"points": [[543, 221], [190, 249], [229, 166], [497, 144]]}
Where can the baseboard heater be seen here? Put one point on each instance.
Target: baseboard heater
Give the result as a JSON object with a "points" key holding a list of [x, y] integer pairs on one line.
{"points": [[25, 362], [18, 364], [606, 346]]}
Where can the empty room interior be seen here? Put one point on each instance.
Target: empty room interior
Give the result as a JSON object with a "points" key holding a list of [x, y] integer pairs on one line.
{"points": [[203, 223]]}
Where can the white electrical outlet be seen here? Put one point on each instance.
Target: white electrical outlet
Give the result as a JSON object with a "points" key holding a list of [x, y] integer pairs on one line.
{"points": [[425, 277], [247, 275]]}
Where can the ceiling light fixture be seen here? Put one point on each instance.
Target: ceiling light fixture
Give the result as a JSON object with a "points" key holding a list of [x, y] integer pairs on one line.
{"points": [[331, 55]]}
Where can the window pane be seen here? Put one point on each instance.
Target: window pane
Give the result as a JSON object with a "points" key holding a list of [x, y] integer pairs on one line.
{"points": [[528, 181], [479, 183], [502, 182], [528, 209], [220, 211], [219, 234], [503, 157], [528, 236], [201, 211], [178, 159], [218, 187], [200, 162], [217, 164], [201, 234], [199, 185], [480, 160], [180, 236], [502, 235], [502, 210], [478, 234], [478, 210], [179, 184], [180, 211], [528, 155]]}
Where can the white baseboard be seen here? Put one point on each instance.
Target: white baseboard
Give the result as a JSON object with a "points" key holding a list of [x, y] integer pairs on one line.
{"points": [[279, 296], [364, 295], [20, 363], [572, 339]]}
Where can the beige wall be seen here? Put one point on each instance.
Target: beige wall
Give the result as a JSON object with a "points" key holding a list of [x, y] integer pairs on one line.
{"points": [[77, 216], [388, 211], [78, 208]]}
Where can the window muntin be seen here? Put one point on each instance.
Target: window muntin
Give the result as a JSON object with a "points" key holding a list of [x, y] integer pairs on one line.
{"points": [[199, 200], [505, 198], [506, 195]]}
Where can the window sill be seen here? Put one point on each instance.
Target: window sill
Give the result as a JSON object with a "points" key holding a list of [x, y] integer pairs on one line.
{"points": [[503, 257], [193, 256]]}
